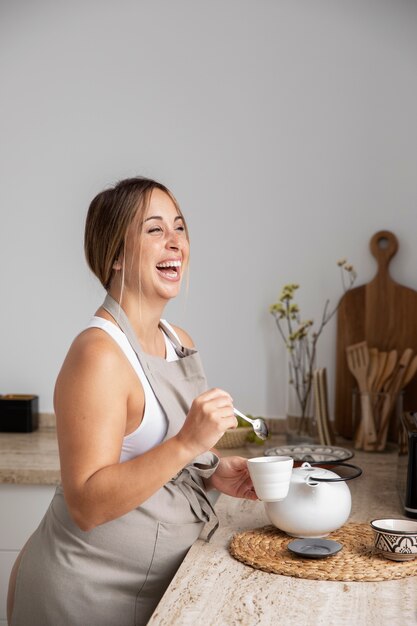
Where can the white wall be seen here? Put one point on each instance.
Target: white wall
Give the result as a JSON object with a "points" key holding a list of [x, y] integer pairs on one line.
{"points": [[286, 128]]}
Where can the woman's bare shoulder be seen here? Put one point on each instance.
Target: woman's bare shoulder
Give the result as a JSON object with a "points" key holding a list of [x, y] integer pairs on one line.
{"points": [[93, 343], [92, 353], [93, 384]]}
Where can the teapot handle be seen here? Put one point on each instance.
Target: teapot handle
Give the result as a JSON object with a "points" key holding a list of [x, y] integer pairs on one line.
{"points": [[334, 465]]}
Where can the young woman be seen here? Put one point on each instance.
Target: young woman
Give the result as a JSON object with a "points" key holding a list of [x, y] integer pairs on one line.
{"points": [[135, 425]]}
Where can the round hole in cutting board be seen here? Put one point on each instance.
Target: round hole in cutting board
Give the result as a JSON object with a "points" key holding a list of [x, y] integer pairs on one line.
{"points": [[383, 243]]}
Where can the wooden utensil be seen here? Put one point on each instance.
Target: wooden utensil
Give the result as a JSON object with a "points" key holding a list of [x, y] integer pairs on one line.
{"points": [[390, 364], [358, 363], [382, 385], [382, 359], [373, 368], [393, 389], [327, 427], [409, 376], [383, 313], [411, 372], [318, 408]]}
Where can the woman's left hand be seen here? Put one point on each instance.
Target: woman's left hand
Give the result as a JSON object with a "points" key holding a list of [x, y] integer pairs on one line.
{"points": [[232, 478]]}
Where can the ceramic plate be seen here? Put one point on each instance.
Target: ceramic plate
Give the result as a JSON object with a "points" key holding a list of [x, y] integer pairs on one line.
{"points": [[313, 452], [314, 548]]}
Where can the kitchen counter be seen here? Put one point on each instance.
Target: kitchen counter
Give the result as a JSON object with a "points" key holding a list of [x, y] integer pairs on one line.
{"points": [[213, 588], [30, 458]]}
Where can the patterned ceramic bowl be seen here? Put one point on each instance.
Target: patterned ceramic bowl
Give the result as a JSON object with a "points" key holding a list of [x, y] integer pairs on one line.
{"points": [[395, 539]]}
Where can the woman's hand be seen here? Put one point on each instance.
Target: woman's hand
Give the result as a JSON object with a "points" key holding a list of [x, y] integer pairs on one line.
{"points": [[210, 415], [232, 478]]}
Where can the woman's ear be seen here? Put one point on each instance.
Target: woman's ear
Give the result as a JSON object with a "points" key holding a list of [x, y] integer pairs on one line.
{"points": [[117, 265]]}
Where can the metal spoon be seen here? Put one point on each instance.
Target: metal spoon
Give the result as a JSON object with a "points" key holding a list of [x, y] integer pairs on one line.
{"points": [[259, 426]]}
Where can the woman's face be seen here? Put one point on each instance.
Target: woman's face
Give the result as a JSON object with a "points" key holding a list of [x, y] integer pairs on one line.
{"points": [[157, 250]]}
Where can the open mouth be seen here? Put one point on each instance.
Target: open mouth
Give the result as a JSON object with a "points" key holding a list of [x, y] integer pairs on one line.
{"points": [[169, 269]]}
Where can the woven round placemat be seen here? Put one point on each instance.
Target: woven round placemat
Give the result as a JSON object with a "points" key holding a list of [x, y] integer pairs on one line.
{"points": [[266, 549]]}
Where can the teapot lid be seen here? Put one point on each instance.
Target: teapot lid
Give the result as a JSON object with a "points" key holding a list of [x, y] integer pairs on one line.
{"points": [[341, 471]]}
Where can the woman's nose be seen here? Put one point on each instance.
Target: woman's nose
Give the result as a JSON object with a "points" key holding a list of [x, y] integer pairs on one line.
{"points": [[173, 240]]}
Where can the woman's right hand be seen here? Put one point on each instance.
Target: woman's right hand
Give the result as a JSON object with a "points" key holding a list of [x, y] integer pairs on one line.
{"points": [[210, 415]]}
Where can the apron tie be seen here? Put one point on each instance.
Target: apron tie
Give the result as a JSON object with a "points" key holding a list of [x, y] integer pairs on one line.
{"points": [[189, 482]]}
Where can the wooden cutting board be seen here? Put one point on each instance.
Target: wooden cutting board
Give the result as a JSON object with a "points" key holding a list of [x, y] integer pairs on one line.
{"points": [[384, 314]]}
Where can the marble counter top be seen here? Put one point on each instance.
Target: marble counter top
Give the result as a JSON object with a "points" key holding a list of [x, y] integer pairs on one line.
{"points": [[212, 588], [30, 458]]}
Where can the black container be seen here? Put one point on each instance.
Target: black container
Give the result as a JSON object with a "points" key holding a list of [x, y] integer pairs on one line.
{"points": [[407, 463], [18, 413]]}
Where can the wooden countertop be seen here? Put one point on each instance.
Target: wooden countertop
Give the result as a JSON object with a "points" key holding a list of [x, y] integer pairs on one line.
{"points": [[212, 588]]}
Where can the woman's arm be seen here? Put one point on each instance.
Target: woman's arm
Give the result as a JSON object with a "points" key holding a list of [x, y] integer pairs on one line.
{"points": [[91, 398]]}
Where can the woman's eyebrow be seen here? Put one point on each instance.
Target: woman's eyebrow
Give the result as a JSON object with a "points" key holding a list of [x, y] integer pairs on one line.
{"points": [[159, 217]]}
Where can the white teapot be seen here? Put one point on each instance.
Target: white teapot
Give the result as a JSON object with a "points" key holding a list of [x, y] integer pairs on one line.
{"points": [[318, 502]]}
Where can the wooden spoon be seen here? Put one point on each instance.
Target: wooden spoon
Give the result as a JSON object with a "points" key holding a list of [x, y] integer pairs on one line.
{"points": [[411, 371], [388, 371], [382, 360], [373, 368], [384, 380]]}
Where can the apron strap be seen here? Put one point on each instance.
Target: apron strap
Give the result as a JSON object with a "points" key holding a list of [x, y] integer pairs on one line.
{"points": [[190, 479], [179, 348], [116, 311], [189, 482]]}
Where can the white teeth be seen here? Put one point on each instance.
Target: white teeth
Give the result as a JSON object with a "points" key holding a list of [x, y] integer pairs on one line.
{"points": [[169, 264]]}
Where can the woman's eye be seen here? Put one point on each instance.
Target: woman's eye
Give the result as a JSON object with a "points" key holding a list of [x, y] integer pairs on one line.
{"points": [[181, 229], [155, 229]]}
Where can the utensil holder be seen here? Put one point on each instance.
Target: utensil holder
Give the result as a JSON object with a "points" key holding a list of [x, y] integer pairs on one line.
{"points": [[377, 402]]}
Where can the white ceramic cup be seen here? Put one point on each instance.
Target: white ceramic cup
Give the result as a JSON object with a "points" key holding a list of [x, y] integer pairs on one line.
{"points": [[271, 476]]}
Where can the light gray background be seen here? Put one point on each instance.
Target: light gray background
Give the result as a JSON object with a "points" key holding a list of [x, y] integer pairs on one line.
{"points": [[286, 129]]}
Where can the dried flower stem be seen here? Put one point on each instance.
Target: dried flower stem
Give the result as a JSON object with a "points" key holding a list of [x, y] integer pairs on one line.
{"points": [[300, 340]]}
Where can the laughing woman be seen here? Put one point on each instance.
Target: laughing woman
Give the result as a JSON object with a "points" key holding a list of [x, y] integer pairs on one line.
{"points": [[135, 425]]}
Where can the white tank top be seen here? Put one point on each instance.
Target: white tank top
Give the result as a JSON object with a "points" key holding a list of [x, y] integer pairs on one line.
{"points": [[153, 427]]}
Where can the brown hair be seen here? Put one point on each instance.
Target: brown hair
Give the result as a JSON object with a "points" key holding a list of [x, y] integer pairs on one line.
{"points": [[109, 216]]}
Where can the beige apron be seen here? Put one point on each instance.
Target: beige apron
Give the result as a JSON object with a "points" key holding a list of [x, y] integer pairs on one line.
{"points": [[115, 574]]}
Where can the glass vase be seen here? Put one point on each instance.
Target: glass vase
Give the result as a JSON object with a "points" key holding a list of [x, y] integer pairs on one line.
{"points": [[300, 427]]}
